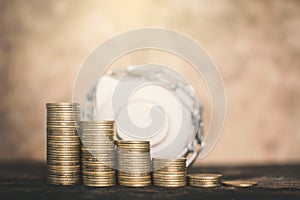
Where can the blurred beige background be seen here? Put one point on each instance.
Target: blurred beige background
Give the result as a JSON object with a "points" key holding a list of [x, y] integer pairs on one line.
{"points": [[255, 44]]}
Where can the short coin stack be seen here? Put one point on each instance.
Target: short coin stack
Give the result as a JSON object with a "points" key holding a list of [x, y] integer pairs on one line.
{"points": [[205, 180], [134, 163], [169, 173], [63, 143], [98, 153]]}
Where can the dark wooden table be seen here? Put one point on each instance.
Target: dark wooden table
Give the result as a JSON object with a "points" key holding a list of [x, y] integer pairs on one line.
{"points": [[27, 180]]}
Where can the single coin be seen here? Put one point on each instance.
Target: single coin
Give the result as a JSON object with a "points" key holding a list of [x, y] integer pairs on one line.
{"points": [[170, 184], [240, 183], [131, 142], [135, 184], [205, 176], [168, 160], [206, 185], [53, 104]]}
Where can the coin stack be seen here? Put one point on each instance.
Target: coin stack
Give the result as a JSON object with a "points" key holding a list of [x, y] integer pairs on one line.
{"points": [[98, 153], [134, 163], [63, 143], [205, 180], [169, 173]]}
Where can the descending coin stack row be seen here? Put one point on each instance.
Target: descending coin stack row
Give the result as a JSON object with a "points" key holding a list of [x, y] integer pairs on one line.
{"points": [[63, 144], [169, 173], [98, 156], [98, 153], [134, 163], [205, 180]]}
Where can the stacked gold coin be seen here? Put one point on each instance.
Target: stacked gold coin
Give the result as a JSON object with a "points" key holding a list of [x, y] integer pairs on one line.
{"points": [[98, 153], [63, 143], [205, 180], [169, 173], [134, 163]]}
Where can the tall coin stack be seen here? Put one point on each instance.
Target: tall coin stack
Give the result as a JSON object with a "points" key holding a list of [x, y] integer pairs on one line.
{"points": [[134, 163], [169, 173], [98, 153], [205, 180], [63, 143]]}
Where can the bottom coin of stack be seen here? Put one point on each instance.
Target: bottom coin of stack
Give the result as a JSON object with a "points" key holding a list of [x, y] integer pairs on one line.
{"points": [[134, 163], [63, 144], [169, 173], [205, 180], [98, 153]]}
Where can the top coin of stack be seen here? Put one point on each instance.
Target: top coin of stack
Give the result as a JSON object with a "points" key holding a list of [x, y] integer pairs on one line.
{"points": [[134, 163], [98, 153], [63, 143], [169, 173], [205, 180]]}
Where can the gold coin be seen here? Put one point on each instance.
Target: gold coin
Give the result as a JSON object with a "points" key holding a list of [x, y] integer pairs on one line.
{"points": [[63, 112], [88, 169], [100, 173], [170, 170], [135, 184], [200, 183], [134, 161], [63, 115], [97, 126], [205, 181], [55, 167], [62, 126], [133, 151], [53, 159], [62, 109], [170, 175], [62, 150], [99, 137], [206, 185], [94, 144], [135, 176], [103, 133], [98, 152], [62, 119], [169, 184], [168, 165], [96, 177], [133, 173], [99, 122], [62, 162], [99, 180], [63, 177], [137, 155], [63, 173], [61, 130], [205, 176], [133, 147], [62, 137], [101, 128], [89, 183], [62, 104], [240, 183], [129, 142], [163, 160]]}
